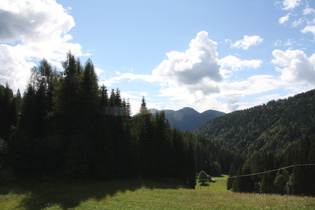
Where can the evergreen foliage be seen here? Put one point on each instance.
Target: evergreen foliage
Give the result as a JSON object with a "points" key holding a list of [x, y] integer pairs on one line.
{"points": [[69, 127], [8, 113]]}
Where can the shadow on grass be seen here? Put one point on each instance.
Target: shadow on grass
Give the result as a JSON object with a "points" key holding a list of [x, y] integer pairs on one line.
{"points": [[39, 195]]}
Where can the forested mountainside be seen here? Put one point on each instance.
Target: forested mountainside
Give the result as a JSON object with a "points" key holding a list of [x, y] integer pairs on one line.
{"points": [[275, 143], [272, 126], [188, 119]]}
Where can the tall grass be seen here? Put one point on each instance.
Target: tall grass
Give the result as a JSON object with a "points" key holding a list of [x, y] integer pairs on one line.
{"points": [[138, 194]]}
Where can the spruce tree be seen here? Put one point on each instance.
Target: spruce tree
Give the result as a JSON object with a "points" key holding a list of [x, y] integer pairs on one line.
{"points": [[142, 130], [8, 112]]}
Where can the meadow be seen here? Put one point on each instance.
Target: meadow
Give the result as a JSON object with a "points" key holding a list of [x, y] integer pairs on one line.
{"points": [[138, 194]]}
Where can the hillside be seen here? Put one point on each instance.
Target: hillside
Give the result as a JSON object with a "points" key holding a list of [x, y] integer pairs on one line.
{"points": [[272, 126], [188, 119]]}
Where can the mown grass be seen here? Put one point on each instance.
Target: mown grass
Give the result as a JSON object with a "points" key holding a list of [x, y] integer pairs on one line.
{"points": [[218, 186], [138, 194]]}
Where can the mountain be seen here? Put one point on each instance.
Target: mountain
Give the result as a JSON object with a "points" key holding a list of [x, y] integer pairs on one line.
{"points": [[269, 127], [188, 119]]}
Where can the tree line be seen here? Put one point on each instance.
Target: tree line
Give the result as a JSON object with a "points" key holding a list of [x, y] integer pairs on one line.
{"points": [[65, 125]]}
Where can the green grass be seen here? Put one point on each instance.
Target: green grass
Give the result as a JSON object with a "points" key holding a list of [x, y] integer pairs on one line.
{"points": [[138, 194], [218, 186]]}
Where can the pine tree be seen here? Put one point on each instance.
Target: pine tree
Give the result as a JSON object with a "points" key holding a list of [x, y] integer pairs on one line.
{"points": [[65, 120], [24, 143], [66, 99], [88, 97], [161, 146], [142, 131], [82, 143], [8, 112]]}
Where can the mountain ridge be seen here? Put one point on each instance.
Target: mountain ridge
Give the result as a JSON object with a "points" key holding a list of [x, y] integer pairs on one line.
{"points": [[187, 118]]}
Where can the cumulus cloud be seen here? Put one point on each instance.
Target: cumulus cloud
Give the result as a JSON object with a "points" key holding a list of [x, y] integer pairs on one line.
{"points": [[30, 31], [284, 19], [195, 77], [247, 42], [198, 64], [290, 4], [237, 64], [295, 66], [14, 69]]}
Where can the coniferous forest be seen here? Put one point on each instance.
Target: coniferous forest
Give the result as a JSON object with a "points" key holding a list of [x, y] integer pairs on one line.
{"points": [[64, 126], [279, 134]]}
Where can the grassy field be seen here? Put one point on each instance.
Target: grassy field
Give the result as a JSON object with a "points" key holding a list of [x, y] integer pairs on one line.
{"points": [[138, 194], [218, 186]]}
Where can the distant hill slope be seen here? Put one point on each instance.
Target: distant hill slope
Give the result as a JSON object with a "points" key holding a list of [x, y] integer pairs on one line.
{"points": [[188, 119], [272, 126]]}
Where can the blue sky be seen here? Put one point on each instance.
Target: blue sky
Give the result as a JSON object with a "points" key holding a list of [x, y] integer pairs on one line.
{"points": [[206, 54]]}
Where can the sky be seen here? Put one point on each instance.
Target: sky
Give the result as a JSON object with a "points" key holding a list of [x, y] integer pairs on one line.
{"points": [[223, 55]]}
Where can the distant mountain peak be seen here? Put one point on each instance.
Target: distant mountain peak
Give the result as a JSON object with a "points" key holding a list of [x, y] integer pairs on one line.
{"points": [[188, 118]]}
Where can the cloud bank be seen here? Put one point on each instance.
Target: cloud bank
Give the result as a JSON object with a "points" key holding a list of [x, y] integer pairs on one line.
{"points": [[30, 31]]}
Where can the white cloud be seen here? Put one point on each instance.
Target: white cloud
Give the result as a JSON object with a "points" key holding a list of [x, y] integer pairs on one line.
{"points": [[247, 42], [206, 91], [14, 69], [284, 19], [309, 29], [30, 31], [290, 4], [192, 77], [295, 66], [308, 11], [195, 65], [236, 64]]}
